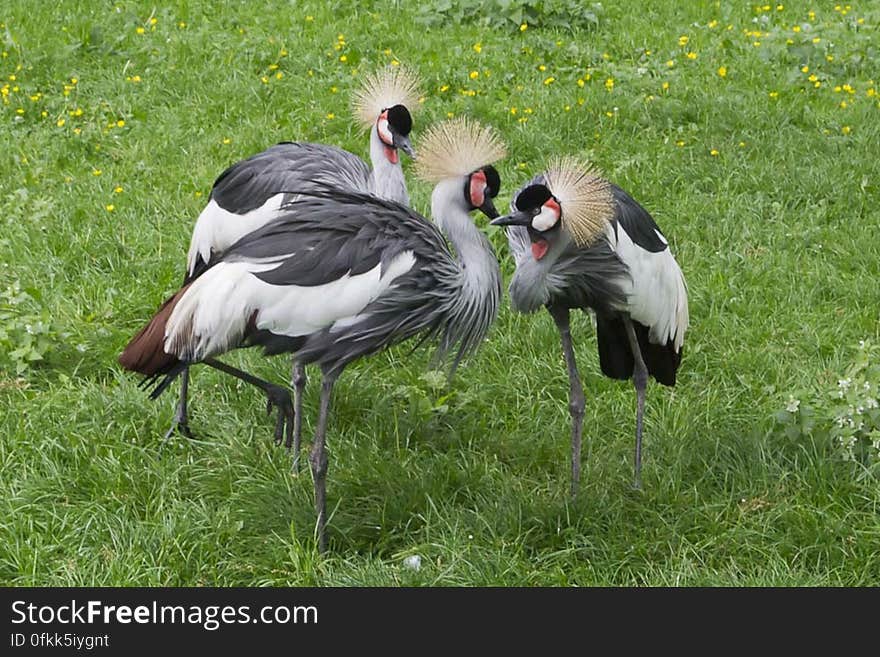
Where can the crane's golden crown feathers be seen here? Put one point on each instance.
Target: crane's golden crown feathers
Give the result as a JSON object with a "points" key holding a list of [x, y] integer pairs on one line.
{"points": [[387, 87], [457, 147], [584, 196]]}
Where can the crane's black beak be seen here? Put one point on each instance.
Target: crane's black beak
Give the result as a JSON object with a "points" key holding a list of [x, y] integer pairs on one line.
{"points": [[518, 218], [403, 143], [488, 208]]}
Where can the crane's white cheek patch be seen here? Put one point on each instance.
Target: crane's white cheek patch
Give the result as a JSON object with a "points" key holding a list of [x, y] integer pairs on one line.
{"points": [[478, 191], [545, 219], [384, 132]]}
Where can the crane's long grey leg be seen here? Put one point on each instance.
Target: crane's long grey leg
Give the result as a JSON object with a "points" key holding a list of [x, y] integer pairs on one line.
{"points": [[276, 395], [576, 401], [318, 458], [298, 379], [640, 381], [181, 421]]}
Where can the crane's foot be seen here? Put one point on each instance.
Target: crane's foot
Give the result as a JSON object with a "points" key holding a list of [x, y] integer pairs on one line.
{"points": [[179, 425], [280, 398]]}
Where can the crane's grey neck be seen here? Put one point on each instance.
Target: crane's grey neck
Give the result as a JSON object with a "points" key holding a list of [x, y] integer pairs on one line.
{"points": [[479, 281], [388, 180], [573, 276], [533, 283]]}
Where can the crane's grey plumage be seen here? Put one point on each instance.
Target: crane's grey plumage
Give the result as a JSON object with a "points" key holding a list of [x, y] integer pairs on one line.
{"points": [[247, 195], [625, 274], [338, 275]]}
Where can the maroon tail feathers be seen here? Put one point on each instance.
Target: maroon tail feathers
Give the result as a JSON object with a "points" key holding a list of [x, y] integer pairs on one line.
{"points": [[145, 353]]}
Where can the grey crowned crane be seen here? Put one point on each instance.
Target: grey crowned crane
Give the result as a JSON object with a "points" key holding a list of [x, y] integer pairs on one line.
{"points": [[247, 194], [341, 274], [580, 241]]}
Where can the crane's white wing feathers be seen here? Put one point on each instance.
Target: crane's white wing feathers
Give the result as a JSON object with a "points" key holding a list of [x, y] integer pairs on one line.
{"points": [[212, 315], [656, 291]]}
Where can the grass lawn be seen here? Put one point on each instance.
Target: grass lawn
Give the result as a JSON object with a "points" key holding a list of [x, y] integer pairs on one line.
{"points": [[750, 133]]}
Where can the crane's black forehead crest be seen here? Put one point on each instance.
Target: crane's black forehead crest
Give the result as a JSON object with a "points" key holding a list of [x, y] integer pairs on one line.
{"points": [[532, 196], [493, 180], [400, 120]]}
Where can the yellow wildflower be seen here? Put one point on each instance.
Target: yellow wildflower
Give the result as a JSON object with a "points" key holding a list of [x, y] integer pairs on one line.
{"points": [[722, 71]]}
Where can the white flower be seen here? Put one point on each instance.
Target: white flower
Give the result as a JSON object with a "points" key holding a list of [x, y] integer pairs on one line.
{"points": [[793, 405], [844, 384], [872, 403], [413, 562]]}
